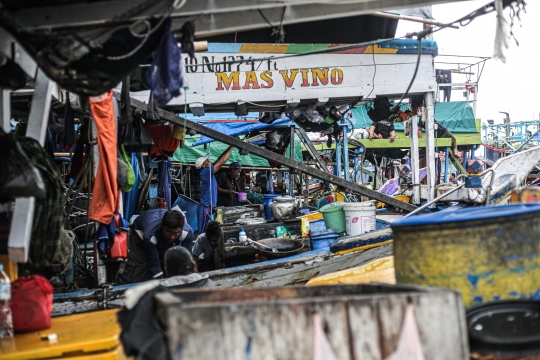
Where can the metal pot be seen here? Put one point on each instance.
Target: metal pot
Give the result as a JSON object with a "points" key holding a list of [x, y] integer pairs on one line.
{"points": [[285, 207], [285, 247]]}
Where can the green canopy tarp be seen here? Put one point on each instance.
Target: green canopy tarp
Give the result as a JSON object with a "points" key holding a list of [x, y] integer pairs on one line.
{"points": [[189, 154], [456, 116]]}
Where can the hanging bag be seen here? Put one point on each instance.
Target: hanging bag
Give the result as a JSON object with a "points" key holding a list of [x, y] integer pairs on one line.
{"points": [[137, 138], [130, 178], [18, 177], [31, 303], [120, 226]]}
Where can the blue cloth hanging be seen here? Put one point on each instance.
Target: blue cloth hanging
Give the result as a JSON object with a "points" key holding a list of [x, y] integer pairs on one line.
{"points": [[165, 76], [165, 181]]}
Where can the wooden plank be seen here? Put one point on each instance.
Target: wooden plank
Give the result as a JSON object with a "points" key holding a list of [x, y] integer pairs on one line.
{"points": [[364, 329], [443, 340], [390, 312], [363, 324]]}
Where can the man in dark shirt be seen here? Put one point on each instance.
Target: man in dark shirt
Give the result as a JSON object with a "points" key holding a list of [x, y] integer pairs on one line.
{"points": [[207, 248], [150, 236], [382, 129], [440, 132], [227, 186]]}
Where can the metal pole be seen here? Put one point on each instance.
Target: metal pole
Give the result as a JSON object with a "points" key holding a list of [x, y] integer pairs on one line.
{"points": [[415, 160], [5, 109], [473, 156], [475, 97], [430, 146], [465, 159], [355, 172], [338, 159], [446, 165], [346, 151], [410, 18], [291, 153]]}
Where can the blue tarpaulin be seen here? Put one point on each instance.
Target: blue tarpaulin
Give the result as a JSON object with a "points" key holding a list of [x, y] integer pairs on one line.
{"points": [[232, 125], [456, 116]]}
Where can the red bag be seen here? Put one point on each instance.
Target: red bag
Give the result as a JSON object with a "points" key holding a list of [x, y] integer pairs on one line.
{"points": [[119, 250], [31, 303]]}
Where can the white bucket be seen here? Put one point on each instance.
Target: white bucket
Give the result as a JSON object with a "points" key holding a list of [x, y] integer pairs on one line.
{"points": [[359, 217]]}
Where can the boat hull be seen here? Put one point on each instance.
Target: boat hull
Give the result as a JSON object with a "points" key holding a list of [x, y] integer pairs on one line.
{"points": [[279, 272]]}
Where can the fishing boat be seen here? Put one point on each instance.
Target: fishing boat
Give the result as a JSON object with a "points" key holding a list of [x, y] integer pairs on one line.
{"points": [[296, 269], [505, 175]]}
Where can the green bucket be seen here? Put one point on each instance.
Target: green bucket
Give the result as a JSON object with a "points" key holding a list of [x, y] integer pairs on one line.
{"points": [[334, 216]]}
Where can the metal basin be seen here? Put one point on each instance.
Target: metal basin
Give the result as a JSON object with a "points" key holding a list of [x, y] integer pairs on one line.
{"points": [[286, 247]]}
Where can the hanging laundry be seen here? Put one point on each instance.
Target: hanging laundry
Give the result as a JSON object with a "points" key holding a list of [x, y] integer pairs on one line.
{"points": [[68, 135], [130, 199], [165, 75], [503, 33], [164, 144], [126, 114], [152, 111], [164, 182], [186, 40], [409, 346], [105, 194]]}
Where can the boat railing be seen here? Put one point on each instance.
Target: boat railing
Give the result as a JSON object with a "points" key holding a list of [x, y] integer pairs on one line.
{"points": [[488, 192]]}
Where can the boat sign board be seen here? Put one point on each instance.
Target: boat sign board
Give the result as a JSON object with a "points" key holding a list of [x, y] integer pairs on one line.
{"points": [[219, 81]]}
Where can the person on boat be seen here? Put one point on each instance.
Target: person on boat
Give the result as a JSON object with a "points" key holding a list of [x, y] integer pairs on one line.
{"points": [[150, 236], [382, 129], [453, 178], [209, 193], [243, 180], [227, 185], [179, 266], [440, 132], [206, 248]]}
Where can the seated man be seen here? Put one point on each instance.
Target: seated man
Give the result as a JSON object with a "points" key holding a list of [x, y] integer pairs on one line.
{"points": [[150, 236], [206, 248], [440, 132], [179, 267], [382, 129], [452, 178]]}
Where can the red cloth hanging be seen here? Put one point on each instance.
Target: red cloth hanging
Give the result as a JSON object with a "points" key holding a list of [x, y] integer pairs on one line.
{"points": [[105, 194], [164, 143]]}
